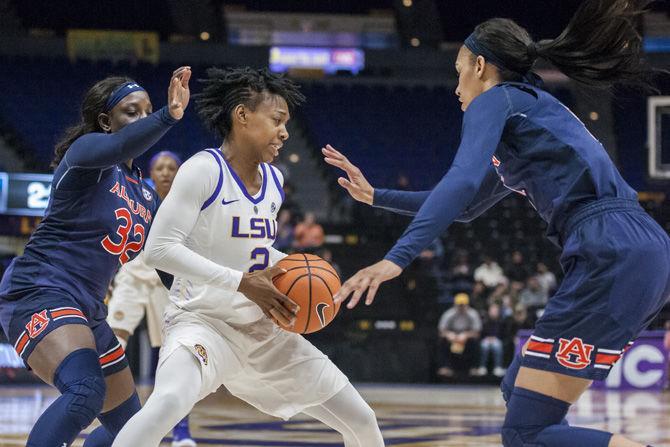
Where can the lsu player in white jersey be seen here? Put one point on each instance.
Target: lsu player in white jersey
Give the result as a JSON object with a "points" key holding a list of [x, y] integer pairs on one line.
{"points": [[139, 291], [214, 232]]}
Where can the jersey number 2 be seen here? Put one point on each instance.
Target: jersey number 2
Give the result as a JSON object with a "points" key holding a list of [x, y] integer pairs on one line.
{"points": [[123, 247], [255, 255]]}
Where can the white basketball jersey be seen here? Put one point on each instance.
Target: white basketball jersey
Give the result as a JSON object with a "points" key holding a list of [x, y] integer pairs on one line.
{"points": [[236, 230]]}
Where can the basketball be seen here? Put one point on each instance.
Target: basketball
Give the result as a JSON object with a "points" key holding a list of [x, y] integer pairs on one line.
{"points": [[311, 283]]}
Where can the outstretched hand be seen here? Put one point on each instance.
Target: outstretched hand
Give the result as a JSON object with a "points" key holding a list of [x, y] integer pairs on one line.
{"points": [[178, 92], [370, 278], [356, 184]]}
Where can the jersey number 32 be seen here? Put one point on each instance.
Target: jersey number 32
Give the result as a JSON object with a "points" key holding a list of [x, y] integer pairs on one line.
{"points": [[123, 247]]}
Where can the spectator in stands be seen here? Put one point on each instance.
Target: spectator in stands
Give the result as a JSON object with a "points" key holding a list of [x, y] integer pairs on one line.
{"points": [[460, 273], [285, 231], [432, 257], [327, 255], [480, 296], [546, 278], [289, 203], [517, 271], [490, 273], [493, 331], [459, 329], [533, 296], [308, 233]]}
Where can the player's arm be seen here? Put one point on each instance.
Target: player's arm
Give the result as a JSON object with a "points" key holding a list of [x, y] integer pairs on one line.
{"points": [[100, 150], [166, 249], [483, 125], [409, 202]]}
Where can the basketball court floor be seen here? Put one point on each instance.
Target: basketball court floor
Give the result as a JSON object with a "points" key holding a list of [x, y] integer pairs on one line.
{"points": [[410, 416]]}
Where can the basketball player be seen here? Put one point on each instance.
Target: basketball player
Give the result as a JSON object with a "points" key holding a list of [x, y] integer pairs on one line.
{"points": [[138, 290], [515, 135], [215, 232], [51, 297]]}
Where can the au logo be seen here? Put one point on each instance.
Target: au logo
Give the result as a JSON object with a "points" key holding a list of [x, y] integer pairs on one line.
{"points": [[574, 354], [202, 352], [273, 208], [38, 322]]}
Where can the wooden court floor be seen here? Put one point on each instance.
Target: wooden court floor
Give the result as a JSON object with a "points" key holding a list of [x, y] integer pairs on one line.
{"points": [[410, 416]]}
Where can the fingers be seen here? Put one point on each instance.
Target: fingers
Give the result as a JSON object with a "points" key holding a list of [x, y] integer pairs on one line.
{"points": [[343, 293], [372, 291], [335, 162], [275, 270], [289, 304], [344, 183], [185, 77], [287, 314], [279, 316], [359, 290], [335, 152], [180, 71]]}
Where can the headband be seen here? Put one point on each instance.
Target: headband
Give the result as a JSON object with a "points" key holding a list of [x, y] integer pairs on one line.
{"points": [[120, 93], [478, 49], [170, 154]]}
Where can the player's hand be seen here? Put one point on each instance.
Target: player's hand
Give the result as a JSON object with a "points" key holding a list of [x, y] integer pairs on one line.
{"points": [[258, 287], [356, 184], [178, 92], [370, 278]]}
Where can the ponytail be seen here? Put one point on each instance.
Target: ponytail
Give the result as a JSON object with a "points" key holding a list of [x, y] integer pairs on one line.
{"points": [[600, 46]]}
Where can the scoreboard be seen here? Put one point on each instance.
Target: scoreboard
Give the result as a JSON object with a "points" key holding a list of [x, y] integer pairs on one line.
{"points": [[24, 194]]}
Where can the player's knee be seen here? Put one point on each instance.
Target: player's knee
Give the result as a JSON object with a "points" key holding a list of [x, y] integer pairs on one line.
{"points": [[368, 417], [529, 416], [172, 401], [79, 378]]}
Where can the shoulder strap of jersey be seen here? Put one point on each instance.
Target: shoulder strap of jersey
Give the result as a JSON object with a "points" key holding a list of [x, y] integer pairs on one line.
{"points": [[216, 192], [277, 182]]}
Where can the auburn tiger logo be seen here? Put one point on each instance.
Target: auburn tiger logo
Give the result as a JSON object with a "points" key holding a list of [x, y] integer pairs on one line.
{"points": [[574, 354], [38, 322]]}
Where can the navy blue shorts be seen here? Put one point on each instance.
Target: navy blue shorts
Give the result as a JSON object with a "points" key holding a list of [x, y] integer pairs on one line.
{"points": [[616, 260], [29, 318]]}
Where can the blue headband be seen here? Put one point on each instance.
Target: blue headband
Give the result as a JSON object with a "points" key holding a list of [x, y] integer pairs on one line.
{"points": [[478, 49], [120, 93], [170, 154]]}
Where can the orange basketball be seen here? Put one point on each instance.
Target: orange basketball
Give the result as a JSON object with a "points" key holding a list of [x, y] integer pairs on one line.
{"points": [[311, 283]]}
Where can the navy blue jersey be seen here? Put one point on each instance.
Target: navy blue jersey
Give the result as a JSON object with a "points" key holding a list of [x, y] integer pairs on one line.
{"points": [[515, 137], [98, 216]]}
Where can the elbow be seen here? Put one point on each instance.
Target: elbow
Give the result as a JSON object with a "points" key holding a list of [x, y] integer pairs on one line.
{"points": [[466, 217], [152, 253]]}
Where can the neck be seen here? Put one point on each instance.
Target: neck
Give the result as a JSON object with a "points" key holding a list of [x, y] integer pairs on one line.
{"points": [[129, 163], [244, 165]]}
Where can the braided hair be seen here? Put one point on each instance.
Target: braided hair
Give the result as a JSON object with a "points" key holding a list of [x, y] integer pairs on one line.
{"points": [[225, 89]]}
